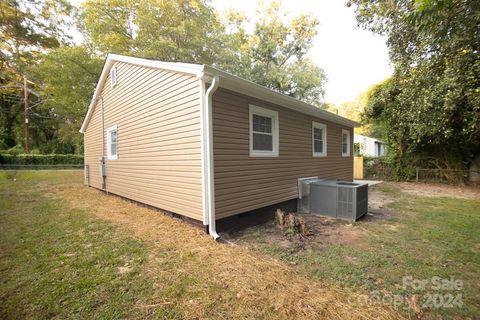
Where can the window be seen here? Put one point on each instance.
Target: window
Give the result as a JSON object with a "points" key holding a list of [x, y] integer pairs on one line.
{"points": [[379, 149], [319, 138], [263, 132], [113, 76], [112, 143], [345, 143]]}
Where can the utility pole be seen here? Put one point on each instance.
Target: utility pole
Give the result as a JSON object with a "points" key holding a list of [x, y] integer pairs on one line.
{"points": [[25, 97]]}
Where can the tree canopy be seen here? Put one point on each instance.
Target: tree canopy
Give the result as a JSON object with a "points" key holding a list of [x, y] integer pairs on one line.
{"points": [[430, 108], [60, 49]]}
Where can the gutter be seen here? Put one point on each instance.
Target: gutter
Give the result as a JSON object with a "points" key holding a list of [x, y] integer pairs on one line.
{"points": [[209, 158]]}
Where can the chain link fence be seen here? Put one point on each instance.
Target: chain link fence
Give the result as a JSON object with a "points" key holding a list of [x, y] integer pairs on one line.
{"points": [[443, 175], [378, 169]]}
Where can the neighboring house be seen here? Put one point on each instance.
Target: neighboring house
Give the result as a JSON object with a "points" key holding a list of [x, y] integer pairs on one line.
{"points": [[369, 146], [204, 144]]}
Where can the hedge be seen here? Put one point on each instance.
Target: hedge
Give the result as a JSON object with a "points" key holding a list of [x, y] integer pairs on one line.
{"points": [[41, 159]]}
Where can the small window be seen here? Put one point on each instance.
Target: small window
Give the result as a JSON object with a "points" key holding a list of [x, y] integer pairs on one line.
{"points": [[319, 139], [345, 143], [113, 76], [112, 143], [263, 132]]}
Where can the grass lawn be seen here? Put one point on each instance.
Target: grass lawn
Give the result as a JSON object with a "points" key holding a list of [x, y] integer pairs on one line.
{"points": [[427, 237], [67, 251]]}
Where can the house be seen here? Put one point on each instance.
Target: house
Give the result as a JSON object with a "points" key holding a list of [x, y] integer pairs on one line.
{"points": [[204, 144], [369, 146]]}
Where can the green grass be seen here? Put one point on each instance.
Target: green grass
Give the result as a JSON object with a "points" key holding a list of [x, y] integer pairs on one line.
{"points": [[62, 260], [57, 262], [431, 237]]}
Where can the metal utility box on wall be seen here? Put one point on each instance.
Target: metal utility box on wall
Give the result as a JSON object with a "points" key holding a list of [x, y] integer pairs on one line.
{"points": [[101, 167], [338, 199]]}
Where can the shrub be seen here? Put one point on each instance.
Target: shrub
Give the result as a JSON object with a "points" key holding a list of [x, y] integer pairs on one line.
{"points": [[378, 168], [41, 159]]}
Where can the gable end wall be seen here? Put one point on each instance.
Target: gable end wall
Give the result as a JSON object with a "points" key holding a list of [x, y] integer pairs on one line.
{"points": [[157, 113]]}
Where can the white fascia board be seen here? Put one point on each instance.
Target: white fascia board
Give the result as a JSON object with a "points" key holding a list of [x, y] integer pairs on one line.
{"points": [[189, 68], [249, 88], [103, 76]]}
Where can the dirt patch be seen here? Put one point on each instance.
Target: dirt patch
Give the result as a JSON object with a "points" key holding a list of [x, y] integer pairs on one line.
{"points": [[378, 199], [125, 269], [439, 190], [323, 231], [327, 231]]}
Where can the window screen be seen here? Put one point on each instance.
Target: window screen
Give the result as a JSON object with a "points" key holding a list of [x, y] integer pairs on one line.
{"points": [[262, 133], [319, 139], [112, 143], [345, 143], [318, 134]]}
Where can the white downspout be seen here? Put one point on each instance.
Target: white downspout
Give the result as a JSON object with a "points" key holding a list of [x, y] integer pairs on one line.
{"points": [[209, 153]]}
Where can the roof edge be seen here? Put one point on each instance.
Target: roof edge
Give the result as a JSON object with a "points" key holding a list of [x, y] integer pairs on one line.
{"points": [[231, 82], [244, 86]]}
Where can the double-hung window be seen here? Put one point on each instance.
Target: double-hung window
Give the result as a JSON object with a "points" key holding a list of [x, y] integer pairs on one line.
{"points": [[112, 143], [319, 139], [345, 143], [263, 132]]}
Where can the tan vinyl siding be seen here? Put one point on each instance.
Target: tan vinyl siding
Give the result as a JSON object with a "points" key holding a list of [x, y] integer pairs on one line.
{"points": [[244, 183], [157, 114], [93, 147]]}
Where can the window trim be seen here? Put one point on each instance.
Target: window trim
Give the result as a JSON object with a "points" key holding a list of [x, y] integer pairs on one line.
{"points": [[253, 109], [318, 125], [347, 154], [113, 76], [110, 156]]}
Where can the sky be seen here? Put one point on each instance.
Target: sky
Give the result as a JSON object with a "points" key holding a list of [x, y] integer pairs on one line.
{"points": [[353, 58]]}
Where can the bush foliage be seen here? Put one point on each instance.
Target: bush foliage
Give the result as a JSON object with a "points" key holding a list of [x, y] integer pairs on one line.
{"points": [[41, 159], [429, 109]]}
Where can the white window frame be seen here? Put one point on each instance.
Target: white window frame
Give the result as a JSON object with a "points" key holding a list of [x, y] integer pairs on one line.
{"points": [[275, 129], [111, 156], [347, 132], [317, 125], [113, 76]]}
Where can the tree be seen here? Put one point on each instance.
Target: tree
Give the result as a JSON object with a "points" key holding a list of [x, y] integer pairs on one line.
{"points": [[67, 91], [109, 25], [430, 109], [274, 54], [36, 42], [184, 30], [27, 28], [180, 30], [355, 110], [10, 106]]}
